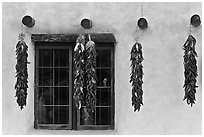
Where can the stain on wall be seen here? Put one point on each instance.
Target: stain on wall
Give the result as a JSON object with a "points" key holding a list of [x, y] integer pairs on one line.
{"points": [[164, 111]]}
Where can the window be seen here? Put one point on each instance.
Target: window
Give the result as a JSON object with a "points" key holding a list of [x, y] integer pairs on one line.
{"points": [[54, 107], [53, 86]]}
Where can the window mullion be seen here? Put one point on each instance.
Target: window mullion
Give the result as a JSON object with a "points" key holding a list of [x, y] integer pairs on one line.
{"points": [[70, 89], [53, 90], [112, 111]]}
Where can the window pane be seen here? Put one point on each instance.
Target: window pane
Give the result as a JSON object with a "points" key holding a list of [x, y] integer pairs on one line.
{"points": [[103, 58], [103, 115], [103, 97], [98, 58], [45, 115], [61, 115], [45, 77], [61, 76], [45, 57], [104, 78], [61, 96], [61, 57], [45, 96]]}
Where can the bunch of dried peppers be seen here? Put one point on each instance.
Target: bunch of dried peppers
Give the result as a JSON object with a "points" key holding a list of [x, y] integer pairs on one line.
{"points": [[190, 72], [85, 73], [136, 75], [22, 71]]}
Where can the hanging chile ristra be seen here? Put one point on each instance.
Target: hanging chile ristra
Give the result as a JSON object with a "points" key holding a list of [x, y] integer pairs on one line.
{"points": [[79, 52], [90, 76], [136, 75], [22, 71], [190, 72]]}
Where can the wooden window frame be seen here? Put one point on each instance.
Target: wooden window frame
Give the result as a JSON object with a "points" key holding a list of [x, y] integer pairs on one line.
{"points": [[102, 38], [38, 46]]}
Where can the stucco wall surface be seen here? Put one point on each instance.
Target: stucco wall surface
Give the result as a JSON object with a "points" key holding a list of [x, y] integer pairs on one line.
{"points": [[164, 111]]}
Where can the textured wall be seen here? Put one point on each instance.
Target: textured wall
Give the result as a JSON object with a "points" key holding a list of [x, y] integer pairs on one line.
{"points": [[163, 112]]}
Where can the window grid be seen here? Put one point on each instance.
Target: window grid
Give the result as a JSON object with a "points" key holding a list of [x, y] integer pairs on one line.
{"points": [[52, 89]]}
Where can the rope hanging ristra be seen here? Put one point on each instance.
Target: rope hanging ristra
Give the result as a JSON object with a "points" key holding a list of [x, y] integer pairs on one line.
{"points": [[21, 71], [85, 79], [90, 74], [190, 70], [79, 63], [136, 75]]}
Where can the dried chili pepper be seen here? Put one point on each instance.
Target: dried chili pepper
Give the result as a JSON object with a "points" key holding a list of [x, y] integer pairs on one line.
{"points": [[90, 75], [190, 72], [22, 72], [79, 71], [85, 82], [136, 75]]}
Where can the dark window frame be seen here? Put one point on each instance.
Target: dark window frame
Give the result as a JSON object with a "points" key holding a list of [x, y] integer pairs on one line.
{"points": [[108, 42], [38, 46]]}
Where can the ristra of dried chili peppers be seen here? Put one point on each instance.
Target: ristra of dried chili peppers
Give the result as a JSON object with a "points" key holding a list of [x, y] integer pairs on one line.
{"points": [[79, 52], [190, 72], [136, 75], [90, 75], [22, 72]]}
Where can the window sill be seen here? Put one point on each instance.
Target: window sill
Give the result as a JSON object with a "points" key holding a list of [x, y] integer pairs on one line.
{"points": [[72, 132]]}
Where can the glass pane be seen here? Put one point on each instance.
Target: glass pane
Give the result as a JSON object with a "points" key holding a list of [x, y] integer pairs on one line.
{"points": [[104, 78], [45, 96], [61, 115], [45, 115], [103, 97], [61, 57], [61, 96], [103, 116], [45, 77], [61, 77], [105, 59], [45, 57], [98, 57], [85, 118]]}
